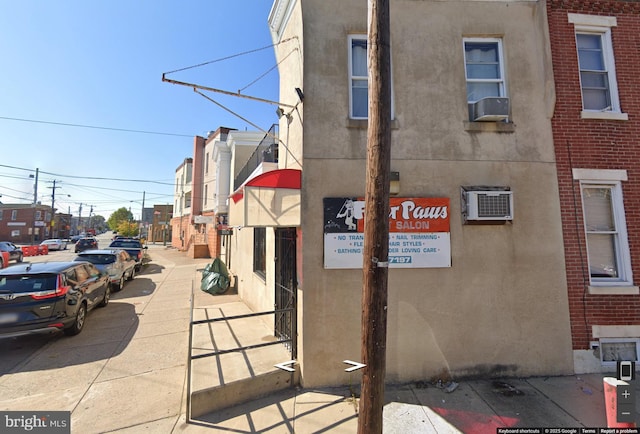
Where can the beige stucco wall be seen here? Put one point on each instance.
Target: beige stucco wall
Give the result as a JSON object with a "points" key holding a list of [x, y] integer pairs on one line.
{"points": [[501, 308], [257, 291]]}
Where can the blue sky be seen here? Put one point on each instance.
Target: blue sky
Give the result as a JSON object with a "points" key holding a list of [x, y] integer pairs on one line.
{"points": [[100, 64]]}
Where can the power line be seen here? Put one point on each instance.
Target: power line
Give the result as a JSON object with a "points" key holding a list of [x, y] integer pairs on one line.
{"points": [[90, 177], [95, 127]]}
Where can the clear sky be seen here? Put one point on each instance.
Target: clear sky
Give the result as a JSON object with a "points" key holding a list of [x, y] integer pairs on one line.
{"points": [[100, 64]]}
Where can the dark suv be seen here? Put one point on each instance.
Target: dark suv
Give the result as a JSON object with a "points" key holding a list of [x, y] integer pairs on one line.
{"points": [[15, 252], [50, 295], [86, 244]]}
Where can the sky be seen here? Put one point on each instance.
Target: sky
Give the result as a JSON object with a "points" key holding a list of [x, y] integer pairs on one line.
{"points": [[96, 67]]}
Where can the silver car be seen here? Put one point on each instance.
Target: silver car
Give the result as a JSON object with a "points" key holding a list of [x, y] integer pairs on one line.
{"points": [[116, 263]]}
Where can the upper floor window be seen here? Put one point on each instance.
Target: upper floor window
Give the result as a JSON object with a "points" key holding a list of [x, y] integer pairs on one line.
{"points": [[14, 214], [359, 78], [597, 66], [38, 215], [0, 214], [206, 163], [484, 68], [206, 193]]}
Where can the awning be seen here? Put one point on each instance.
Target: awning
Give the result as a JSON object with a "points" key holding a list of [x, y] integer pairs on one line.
{"points": [[270, 199]]}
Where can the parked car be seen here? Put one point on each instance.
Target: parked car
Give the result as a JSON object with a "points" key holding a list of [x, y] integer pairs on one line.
{"points": [[55, 244], [134, 248], [117, 264], [86, 244], [50, 295], [15, 252]]}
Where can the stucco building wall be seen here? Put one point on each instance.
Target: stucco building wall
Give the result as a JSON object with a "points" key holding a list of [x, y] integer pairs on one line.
{"points": [[501, 308]]}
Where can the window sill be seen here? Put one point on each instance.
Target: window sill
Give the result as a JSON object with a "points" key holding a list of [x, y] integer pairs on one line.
{"points": [[362, 124], [607, 116], [489, 127], [613, 290]]}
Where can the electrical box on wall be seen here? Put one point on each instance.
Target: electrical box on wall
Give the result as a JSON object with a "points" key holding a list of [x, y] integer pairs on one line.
{"points": [[487, 205]]}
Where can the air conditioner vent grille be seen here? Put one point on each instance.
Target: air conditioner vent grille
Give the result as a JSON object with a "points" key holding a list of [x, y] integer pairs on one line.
{"points": [[494, 205]]}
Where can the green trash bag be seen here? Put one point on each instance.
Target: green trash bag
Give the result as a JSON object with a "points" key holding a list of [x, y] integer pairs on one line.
{"points": [[215, 278]]}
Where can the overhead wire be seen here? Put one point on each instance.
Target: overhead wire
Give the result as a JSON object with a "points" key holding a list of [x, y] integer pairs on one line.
{"points": [[96, 127]]}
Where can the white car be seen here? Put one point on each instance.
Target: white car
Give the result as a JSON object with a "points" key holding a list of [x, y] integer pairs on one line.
{"points": [[55, 244]]}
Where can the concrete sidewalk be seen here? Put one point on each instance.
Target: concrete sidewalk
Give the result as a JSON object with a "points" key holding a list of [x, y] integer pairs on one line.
{"points": [[478, 406], [129, 375]]}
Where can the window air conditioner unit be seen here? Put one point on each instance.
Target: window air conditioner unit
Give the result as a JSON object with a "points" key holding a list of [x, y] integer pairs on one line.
{"points": [[489, 109], [489, 205]]}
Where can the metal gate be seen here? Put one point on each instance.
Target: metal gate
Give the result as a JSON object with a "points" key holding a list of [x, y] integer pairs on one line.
{"points": [[285, 288]]}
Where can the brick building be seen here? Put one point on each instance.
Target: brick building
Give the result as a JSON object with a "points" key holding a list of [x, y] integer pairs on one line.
{"points": [[24, 223], [595, 126]]}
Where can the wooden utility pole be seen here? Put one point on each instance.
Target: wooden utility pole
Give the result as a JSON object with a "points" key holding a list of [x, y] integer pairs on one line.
{"points": [[376, 226]]}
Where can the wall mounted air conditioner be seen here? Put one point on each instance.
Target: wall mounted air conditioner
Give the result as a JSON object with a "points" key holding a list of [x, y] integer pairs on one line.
{"points": [[489, 205], [489, 109]]}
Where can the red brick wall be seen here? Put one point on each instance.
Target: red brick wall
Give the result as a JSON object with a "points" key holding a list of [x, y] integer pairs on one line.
{"points": [[596, 144]]}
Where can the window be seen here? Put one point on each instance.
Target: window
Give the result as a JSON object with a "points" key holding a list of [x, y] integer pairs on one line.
{"points": [[484, 68], [14, 214], [38, 215], [0, 214], [187, 200], [206, 193], [206, 163], [597, 66], [605, 227], [359, 78], [260, 251]]}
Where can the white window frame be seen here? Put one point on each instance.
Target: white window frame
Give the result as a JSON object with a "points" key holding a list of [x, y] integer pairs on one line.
{"points": [[365, 78], [502, 88], [14, 214], [601, 26], [612, 179]]}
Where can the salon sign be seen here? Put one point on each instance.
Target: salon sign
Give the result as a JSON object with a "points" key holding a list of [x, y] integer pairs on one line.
{"points": [[419, 234]]}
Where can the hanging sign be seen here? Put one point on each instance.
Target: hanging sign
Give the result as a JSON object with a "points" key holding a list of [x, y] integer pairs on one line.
{"points": [[419, 234]]}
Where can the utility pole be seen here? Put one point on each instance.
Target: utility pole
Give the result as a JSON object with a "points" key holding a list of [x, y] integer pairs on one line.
{"points": [[376, 227], [35, 204], [141, 216], [80, 218], [53, 210]]}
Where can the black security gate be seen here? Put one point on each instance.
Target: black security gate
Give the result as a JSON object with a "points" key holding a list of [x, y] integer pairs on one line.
{"points": [[286, 286]]}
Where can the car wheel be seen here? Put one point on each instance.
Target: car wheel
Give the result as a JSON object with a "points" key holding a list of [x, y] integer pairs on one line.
{"points": [[19, 258], [78, 323], [1, 262], [107, 297], [132, 274], [121, 282]]}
